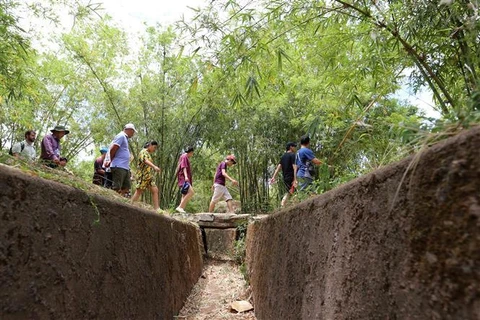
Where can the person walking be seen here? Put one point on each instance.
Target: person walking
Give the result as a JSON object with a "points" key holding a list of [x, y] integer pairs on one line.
{"points": [[108, 179], [98, 169], [119, 162], [184, 175], [25, 149], [145, 174], [304, 160], [219, 189], [289, 171], [51, 147]]}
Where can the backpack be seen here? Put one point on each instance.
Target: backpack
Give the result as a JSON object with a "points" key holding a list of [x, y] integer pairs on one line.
{"points": [[22, 146], [310, 166]]}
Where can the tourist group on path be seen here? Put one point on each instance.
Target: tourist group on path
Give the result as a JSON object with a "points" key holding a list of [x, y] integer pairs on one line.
{"points": [[112, 168]]}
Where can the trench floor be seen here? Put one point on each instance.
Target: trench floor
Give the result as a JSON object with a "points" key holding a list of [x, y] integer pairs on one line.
{"points": [[221, 284]]}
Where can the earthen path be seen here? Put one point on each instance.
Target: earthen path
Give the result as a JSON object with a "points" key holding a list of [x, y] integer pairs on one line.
{"points": [[220, 284]]}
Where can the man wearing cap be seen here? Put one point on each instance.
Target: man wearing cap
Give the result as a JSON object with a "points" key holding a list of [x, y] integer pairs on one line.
{"points": [[289, 171], [219, 189], [51, 147], [98, 170], [119, 162]]}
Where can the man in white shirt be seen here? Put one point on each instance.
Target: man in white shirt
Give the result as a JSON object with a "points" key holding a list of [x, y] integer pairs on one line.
{"points": [[25, 149], [120, 160]]}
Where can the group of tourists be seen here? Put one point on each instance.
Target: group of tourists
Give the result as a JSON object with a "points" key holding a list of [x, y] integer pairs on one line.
{"points": [[112, 167], [50, 147], [296, 167], [116, 160]]}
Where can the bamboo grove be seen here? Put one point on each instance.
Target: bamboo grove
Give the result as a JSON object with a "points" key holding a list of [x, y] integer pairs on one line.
{"points": [[243, 77]]}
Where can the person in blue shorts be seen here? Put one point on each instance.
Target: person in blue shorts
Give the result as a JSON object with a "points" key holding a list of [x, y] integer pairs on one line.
{"points": [[305, 158]]}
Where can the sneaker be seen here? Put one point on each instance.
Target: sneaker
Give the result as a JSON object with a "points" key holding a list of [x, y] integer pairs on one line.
{"points": [[178, 209]]}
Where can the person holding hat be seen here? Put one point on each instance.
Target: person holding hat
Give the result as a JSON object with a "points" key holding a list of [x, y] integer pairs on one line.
{"points": [[119, 162], [219, 189], [184, 175], [51, 147], [289, 171], [98, 170]]}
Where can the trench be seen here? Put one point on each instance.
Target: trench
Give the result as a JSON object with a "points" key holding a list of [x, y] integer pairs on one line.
{"points": [[402, 242], [223, 281], [220, 284]]}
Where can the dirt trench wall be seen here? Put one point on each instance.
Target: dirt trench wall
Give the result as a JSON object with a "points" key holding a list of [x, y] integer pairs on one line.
{"points": [[361, 252], [56, 262]]}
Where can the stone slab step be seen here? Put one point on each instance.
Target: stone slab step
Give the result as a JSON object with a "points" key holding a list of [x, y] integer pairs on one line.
{"points": [[220, 220]]}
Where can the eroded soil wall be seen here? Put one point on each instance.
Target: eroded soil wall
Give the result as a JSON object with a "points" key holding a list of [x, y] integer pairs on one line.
{"points": [[58, 262], [366, 251]]}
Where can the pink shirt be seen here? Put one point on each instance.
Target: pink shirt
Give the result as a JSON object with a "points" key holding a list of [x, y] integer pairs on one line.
{"points": [[219, 177], [184, 162]]}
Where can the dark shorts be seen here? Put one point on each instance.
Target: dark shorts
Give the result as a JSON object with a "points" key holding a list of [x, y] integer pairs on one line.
{"points": [[108, 180], [121, 179], [287, 185]]}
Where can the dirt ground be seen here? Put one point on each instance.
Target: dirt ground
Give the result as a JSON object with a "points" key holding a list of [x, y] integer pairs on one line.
{"points": [[221, 284]]}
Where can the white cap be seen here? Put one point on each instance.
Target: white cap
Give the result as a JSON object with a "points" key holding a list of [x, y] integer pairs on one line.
{"points": [[130, 126]]}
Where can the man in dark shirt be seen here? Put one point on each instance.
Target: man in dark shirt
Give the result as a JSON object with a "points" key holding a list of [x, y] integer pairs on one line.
{"points": [[289, 171]]}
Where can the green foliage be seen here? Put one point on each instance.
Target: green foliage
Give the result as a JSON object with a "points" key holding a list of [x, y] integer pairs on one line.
{"points": [[94, 206], [240, 249], [82, 169], [245, 79]]}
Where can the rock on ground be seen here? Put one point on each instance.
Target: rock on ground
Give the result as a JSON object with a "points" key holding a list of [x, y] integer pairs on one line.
{"points": [[220, 284]]}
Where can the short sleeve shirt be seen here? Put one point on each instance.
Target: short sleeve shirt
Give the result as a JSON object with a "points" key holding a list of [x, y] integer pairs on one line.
{"points": [[122, 156], [28, 151], [303, 156], [287, 162], [219, 177], [144, 171], [184, 162], [107, 159], [97, 166]]}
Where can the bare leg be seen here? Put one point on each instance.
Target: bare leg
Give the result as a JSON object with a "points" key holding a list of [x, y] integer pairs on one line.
{"points": [[137, 195], [186, 198], [211, 207], [284, 199], [230, 206], [154, 191]]}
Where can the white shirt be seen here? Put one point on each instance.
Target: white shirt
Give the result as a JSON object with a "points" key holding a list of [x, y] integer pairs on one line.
{"points": [[28, 151]]}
